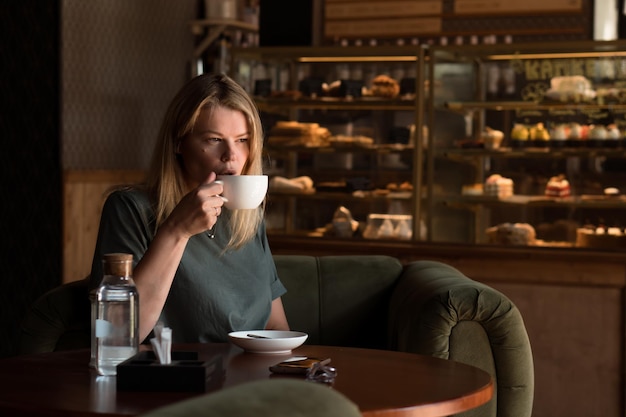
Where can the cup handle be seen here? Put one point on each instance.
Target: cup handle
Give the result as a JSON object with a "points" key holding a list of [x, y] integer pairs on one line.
{"points": [[221, 196]]}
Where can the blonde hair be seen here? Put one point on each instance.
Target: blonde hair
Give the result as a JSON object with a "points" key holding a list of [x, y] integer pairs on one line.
{"points": [[165, 180]]}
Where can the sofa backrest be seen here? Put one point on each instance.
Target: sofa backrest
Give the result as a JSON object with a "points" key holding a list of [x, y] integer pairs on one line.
{"points": [[339, 300]]}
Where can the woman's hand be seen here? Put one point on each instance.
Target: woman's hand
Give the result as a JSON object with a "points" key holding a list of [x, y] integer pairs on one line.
{"points": [[198, 211]]}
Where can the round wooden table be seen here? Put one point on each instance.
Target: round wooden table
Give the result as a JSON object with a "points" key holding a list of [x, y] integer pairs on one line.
{"points": [[380, 382]]}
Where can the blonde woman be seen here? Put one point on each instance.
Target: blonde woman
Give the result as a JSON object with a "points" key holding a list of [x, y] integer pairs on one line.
{"points": [[200, 268]]}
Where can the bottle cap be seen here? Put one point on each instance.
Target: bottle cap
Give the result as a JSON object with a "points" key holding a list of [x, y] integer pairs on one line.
{"points": [[120, 264]]}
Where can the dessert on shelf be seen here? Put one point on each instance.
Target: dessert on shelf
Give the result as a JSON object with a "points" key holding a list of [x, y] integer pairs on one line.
{"points": [[604, 136], [600, 237], [558, 186], [539, 135], [498, 186], [519, 135], [613, 136], [558, 135], [492, 138], [577, 134], [571, 88], [597, 136], [563, 135], [389, 226]]}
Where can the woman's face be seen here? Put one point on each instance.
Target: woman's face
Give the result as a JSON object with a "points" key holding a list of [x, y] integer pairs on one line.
{"points": [[218, 143]]}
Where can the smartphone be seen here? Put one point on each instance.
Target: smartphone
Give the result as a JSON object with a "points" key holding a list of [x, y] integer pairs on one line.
{"points": [[297, 365]]}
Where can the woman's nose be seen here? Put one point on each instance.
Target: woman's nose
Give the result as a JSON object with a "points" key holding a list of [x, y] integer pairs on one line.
{"points": [[229, 154]]}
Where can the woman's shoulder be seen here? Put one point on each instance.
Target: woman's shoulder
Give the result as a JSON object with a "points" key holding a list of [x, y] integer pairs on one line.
{"points": [[128, 195]]}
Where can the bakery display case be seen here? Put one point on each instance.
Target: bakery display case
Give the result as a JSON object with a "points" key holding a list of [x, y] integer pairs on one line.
{"points": [[509, 144], [527, 144], [341, 138]]}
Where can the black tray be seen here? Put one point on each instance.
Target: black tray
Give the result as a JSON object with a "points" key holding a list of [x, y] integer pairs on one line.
{"points": [[143, 372]]}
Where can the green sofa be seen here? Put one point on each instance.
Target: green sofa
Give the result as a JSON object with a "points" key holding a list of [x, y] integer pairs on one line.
{"points": [[423, 307], [271, 398]]}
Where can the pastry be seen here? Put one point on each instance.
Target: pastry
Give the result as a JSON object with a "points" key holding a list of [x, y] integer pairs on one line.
{"points": [[472, 189], [350, 140], [385, 86], [392, 186], [405, 186], [299, 185], [292, 133], [522, 234]]}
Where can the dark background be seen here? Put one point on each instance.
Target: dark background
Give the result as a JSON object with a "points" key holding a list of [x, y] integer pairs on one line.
{"points": [[30, 161]]}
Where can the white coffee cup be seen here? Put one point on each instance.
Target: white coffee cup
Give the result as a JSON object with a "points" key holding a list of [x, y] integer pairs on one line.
{"points": [[243, 191]]}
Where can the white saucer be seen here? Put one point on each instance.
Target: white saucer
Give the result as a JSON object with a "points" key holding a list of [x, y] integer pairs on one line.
{"points": [[278, 341]]}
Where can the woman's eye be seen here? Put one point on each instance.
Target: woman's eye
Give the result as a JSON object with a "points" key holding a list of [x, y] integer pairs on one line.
{"points": [[243, 140], [214, 140]]}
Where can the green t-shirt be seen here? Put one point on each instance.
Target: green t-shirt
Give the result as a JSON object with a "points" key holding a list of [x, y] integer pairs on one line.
{"points": [[212, 293]]}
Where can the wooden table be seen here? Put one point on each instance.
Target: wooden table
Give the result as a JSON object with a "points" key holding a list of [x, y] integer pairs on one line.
{"points": [[379, 382]]}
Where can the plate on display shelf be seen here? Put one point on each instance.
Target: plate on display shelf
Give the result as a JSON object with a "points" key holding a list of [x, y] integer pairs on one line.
{"points": [[268, 341]]}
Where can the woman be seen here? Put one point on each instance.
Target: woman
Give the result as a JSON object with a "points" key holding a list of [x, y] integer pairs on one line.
{"points": [[200, 269]]}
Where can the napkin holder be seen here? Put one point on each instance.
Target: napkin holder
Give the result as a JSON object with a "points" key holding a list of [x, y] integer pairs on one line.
{"points": [[144, 372]]}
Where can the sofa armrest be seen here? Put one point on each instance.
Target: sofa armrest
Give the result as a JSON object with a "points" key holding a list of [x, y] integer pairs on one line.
{"points": [[436, 310]]}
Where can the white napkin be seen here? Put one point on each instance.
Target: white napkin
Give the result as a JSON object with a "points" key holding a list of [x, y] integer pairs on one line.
{"points": [[162, 344]]}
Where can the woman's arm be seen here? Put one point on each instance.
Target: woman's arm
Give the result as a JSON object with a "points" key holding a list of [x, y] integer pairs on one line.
{"points": [[277, 320], [154, 274]]}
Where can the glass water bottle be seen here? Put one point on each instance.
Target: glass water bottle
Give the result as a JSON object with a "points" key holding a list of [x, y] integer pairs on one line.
{"points": [[117, 314]]}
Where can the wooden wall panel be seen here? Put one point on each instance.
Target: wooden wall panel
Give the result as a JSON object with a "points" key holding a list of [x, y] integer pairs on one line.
{"points": [[577, 337], [84, 193]]}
